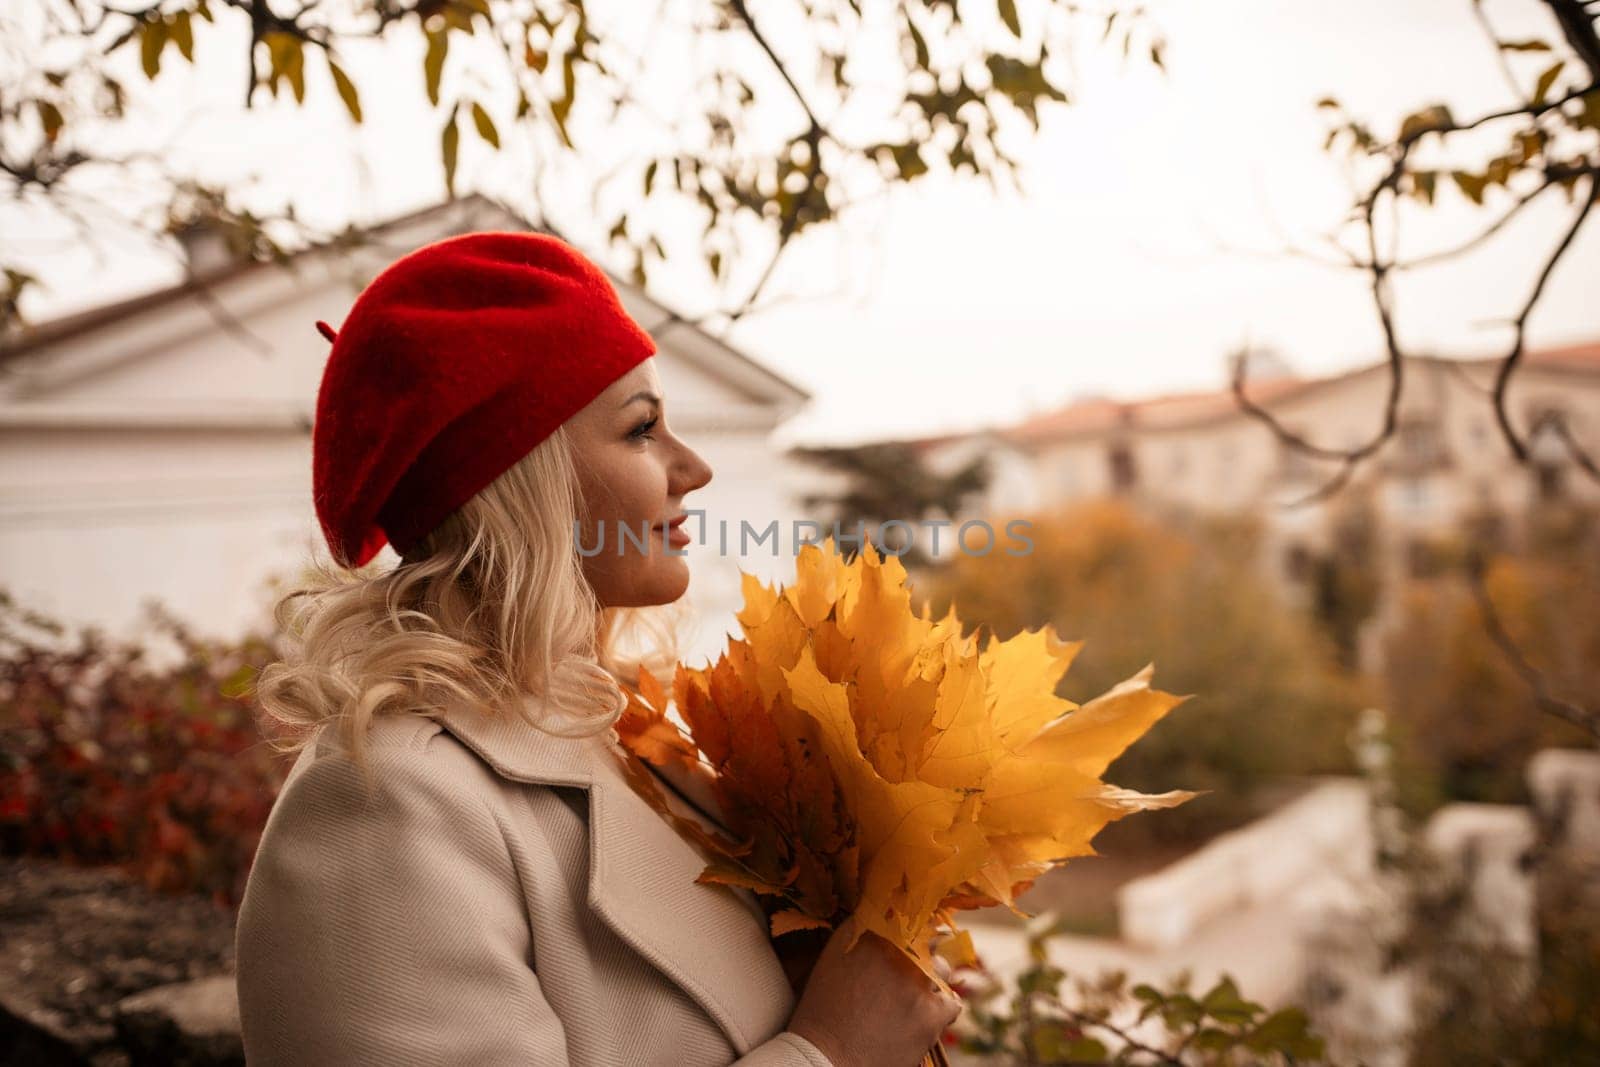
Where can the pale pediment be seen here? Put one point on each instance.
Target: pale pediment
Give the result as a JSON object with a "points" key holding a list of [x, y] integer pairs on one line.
{"points": [[245, 342]]}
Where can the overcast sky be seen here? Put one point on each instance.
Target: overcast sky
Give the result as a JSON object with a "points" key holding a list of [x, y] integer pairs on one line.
{"points": [[1144, 249]]}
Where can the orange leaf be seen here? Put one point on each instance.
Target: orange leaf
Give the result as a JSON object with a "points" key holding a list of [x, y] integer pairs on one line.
{"points": [[881, 766], [723, 873], [789, 920]]}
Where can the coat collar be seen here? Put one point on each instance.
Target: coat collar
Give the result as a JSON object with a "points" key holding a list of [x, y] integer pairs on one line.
{"points": [[642, 874]]}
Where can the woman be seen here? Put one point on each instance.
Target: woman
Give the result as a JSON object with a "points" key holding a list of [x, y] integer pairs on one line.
{"points": [[456, 870]]}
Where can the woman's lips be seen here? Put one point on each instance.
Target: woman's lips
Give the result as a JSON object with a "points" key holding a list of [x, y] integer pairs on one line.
{"points": [[674, 532]]}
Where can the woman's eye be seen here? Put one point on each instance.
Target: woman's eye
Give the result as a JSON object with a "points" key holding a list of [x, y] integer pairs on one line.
{"points": [[642, 431]]}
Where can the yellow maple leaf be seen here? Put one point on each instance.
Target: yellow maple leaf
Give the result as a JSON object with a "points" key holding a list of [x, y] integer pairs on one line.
{"points": [[878, 764]]}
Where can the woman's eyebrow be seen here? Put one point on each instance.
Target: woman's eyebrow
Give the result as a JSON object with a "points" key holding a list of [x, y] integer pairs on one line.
{"points": [[643, 394]]}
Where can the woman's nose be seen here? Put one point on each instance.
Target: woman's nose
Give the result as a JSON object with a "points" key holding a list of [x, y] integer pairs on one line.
{"points": [[692, 472]]}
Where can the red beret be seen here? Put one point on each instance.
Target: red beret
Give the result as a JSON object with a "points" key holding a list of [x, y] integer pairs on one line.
{"points": [[452, 365]]}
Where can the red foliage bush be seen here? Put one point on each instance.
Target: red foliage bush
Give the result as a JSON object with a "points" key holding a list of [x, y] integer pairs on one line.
{"points": [[108, 760]]}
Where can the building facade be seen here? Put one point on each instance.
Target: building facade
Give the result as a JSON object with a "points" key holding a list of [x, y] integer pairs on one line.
{"points": [[158, 449], [1445, 469]]}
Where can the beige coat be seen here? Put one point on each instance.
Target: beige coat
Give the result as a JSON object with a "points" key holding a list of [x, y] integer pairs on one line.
{"points": [[502, 897]]}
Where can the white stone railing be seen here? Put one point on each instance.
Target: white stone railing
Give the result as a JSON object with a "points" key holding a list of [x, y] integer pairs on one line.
{"points": [[1325, 834]]}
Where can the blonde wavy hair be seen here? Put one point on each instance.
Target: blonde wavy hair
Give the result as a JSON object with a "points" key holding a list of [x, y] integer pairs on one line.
{"points": [[490, 608]]}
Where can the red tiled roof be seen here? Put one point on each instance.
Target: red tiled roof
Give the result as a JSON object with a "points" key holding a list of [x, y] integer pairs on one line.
{"points": [[1099, 415], [41, 335], [1577, 357]]}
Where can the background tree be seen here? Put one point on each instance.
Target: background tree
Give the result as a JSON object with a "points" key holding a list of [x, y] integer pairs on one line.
{"points": [[1467, 717], [759, 124], [1186, 594], [1345, 583], [890, 481], [1545, 142]]}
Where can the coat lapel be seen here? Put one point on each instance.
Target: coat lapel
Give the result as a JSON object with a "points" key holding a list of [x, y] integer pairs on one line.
{"points": [[711, 941]]}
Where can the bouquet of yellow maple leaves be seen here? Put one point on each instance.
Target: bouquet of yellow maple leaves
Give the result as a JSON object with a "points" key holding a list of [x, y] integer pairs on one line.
{"points": [[875, 763]]}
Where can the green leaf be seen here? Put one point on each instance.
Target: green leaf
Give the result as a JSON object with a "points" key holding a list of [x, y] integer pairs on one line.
{"points": [[239, 683], [561, 107], [1546, 80], [1531, 142], [1181, 1010], [1223, 1003], [908, 160], [295, 69], [1524, 46], [1591, 110], [1048, 1041], [1041, 979], [1086, 1050], [1427, 120], [1008, 15], [581, 37], [536, 58], [485, 125], [1471, 185], [450, 144], [50, 117], [558, 111], [280, 47], [919, 43], [347, 90], [1423, 184], [1286, 1031], [433, 63], [118, 96], [152, 39], [1052, 1042], [183, 34], [17, 280]]}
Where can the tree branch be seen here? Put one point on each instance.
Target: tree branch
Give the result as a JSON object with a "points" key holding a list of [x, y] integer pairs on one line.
{"points": [[1483, 235], [1340, 478], [1587, 719], [1509, 365], [1499, 50], [739, 7], [1577, 26]]}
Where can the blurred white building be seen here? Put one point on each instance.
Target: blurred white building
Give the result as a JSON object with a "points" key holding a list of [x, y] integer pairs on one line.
{"points": [[159, 447], [1445, 467]]}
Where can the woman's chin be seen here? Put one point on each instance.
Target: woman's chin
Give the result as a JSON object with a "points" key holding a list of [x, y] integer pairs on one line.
{"points": [[664, 580]]}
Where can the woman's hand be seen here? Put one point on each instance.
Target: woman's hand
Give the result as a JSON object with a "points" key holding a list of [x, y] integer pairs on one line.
{"points": [[798, 951], [870, 1007]]}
